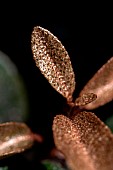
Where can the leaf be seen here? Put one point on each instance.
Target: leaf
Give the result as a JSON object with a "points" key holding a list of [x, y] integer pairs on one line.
{"points": [[15, 137], [53, 61], [85, 140], [101, 84], [53, 165], [85, 99], [13, 95], [109, 122], [4, 168]]}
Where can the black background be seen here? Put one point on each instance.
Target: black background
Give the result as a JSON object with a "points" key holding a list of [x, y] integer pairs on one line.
{"points": [[86, 34]]}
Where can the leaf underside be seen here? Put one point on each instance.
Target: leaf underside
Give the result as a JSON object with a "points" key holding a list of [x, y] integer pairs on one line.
{"points": [[101, 84], [15, 137]]}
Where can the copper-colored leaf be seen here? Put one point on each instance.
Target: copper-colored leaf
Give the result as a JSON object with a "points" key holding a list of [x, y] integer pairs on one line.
{"points": [[102, 85], [53, 60], [15, 137], [86, 142], [85, 99]]}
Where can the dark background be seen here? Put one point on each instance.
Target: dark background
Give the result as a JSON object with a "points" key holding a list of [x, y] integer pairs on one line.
{"points": [[86, 34]]}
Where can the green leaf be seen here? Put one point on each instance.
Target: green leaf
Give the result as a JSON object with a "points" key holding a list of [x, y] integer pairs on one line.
{"points": [[109, 122], [53, 165], [4, 168], [13, 95]]}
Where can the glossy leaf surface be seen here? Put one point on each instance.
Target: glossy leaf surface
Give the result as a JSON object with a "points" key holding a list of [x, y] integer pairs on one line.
{"points": [[52, 59], [86, 142], [14, 138], [85, 99], [102, 85]]}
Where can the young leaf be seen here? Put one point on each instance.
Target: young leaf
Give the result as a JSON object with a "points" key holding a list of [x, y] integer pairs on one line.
{"points": [[85, 99], [102, 85], [86, 142], [53, 61], [14, 138]]}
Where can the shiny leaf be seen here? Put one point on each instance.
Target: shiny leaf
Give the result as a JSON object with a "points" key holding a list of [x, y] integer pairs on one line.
{"points": [[15, 137], [85, 140], [102, 85], [85, 99], [52, 59]]}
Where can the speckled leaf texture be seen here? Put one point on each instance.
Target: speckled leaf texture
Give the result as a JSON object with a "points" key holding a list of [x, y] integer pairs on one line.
{"points": [[102, 85], [85, 140], [53, 61]]}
